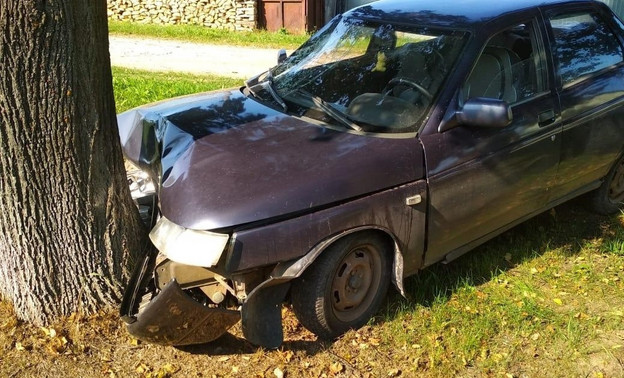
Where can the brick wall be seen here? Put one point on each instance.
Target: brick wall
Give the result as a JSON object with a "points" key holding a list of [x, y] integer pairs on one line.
{"points": [[220, 14]]}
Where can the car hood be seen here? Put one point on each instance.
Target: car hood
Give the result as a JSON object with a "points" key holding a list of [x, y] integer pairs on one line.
{"points": [[226, 160]]}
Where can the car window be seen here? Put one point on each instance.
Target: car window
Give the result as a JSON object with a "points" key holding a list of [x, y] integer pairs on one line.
{"points": [[369, 75], [583, 45], [355, 43], [509, 68]]}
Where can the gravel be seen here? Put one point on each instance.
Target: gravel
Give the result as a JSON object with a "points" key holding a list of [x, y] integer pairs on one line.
{"points": [[196, 58]]}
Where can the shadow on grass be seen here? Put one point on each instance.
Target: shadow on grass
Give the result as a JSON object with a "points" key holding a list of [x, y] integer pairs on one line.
{"points": [[566, 228]]}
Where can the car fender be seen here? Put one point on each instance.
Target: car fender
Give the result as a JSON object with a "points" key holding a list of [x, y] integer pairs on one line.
{"points": [[399, 212], [290, 270], [260, 313]]}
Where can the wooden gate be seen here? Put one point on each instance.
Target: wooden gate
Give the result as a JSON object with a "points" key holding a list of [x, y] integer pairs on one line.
{"points": [[296, 16]]}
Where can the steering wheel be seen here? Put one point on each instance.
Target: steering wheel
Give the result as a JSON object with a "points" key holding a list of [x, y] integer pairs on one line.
{"points": [[403, 81]]}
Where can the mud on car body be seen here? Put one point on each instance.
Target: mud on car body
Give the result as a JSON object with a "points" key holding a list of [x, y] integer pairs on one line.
{"points": [[400, 135]]}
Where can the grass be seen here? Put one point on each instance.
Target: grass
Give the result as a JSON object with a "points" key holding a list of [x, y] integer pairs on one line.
{"points": [[134, 87], [545, 296], [195, 33], [543, 299]]}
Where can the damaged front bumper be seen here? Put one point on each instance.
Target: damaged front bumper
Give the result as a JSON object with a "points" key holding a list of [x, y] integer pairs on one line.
{"points": [[173, 317]]}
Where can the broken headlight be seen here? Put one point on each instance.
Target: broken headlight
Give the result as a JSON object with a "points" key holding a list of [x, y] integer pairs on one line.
{"points": [[186, 246]]}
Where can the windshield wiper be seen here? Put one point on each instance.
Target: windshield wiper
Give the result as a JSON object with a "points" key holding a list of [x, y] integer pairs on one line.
{"points": [[330, 110], [267, 85]]}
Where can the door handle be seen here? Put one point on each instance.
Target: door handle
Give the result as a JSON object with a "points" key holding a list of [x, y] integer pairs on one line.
{"points": [[546, 118]]}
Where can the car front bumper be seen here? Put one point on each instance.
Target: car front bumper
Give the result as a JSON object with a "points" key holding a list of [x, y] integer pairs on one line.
{"points": [[171, 317]]}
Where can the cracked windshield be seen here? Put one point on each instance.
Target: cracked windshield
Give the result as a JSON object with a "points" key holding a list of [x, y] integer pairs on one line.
{"points": [[364, 75]]}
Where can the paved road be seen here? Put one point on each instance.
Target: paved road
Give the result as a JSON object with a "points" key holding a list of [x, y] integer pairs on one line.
{"points": [[168, 55]]}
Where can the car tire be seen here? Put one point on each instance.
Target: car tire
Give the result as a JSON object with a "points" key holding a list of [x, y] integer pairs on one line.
{"points": [[608, 199], [345, 286]]}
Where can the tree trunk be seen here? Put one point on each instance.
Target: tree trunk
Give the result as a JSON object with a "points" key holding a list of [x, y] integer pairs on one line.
{"points": [[68, 227]]}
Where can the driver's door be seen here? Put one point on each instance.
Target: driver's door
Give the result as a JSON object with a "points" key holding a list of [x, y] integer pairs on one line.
{"points": [[483, 180]]}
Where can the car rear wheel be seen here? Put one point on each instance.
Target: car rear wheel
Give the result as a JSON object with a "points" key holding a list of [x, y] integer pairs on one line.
{"points": [[344, 287], [608, 199]]}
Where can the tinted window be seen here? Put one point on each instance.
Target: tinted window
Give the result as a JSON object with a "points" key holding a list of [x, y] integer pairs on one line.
{"points": [[583, 45], [509, 68]]}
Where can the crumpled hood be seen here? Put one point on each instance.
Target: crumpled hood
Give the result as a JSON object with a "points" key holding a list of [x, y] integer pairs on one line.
{"points": [[227, 160]]}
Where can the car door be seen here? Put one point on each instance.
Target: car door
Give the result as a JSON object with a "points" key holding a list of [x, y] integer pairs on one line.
{"points": [[483, 180], [589, 61]]}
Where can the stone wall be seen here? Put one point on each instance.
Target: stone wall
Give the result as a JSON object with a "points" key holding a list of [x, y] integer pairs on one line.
{"points": [[220, 14]]}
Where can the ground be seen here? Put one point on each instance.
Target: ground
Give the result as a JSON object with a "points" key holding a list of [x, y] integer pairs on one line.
{"points": [[196, 58], [544, 299]]}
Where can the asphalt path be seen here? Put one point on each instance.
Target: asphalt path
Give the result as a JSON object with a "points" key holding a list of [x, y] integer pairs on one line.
{"points": [[197, 58]]}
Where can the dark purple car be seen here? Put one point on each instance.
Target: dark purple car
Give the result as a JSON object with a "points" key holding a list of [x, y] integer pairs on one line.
{"points": [[402, 134]]}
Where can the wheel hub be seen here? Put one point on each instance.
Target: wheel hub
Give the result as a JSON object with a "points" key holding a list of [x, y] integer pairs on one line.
{"points": [[354, 283]]}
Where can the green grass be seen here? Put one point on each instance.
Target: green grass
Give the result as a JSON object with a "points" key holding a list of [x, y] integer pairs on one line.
{"points": [[195, 33], [135, 87], [543, 297]]}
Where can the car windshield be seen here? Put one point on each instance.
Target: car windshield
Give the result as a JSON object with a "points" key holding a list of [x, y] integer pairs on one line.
{"points": [[365, 75]]}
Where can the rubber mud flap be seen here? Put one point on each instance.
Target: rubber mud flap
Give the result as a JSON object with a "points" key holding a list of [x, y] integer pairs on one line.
{"points": [[174, 318], [136, 287], [262, 316]]}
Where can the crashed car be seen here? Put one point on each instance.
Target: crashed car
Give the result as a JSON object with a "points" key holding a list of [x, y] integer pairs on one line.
{"points": [[402, 134]]}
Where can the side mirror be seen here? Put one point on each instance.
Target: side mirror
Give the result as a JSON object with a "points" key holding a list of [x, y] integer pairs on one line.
{"points": [[480, 112], [281, 56]]}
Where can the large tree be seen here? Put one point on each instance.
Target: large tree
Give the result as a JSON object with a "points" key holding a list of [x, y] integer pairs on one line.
{"points": [[68, 227]]}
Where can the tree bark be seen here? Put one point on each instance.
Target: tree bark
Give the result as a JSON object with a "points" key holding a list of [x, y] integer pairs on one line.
{"points": [[68, 227]]}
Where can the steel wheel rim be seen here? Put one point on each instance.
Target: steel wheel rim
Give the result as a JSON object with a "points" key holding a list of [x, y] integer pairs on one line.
{"points": [[355, 283], [616, 189]]}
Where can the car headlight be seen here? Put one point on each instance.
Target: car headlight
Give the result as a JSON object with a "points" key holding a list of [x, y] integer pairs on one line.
{"points": [[186, 246], [139, 181]]}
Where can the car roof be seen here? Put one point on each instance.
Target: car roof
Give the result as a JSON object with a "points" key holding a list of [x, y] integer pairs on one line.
{"points": [[461, 14]]}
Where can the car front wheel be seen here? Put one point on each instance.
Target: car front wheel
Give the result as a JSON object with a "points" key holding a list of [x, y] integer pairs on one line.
{"points": [[345, 286]]}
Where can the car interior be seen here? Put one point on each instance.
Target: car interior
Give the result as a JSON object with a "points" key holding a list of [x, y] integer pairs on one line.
{"points": [[506, 70]]}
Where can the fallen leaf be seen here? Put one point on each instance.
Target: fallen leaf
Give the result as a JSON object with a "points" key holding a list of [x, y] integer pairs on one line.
{"points": [[535, 336], [558, 301], [169, 368], [141, 369], [278, 373], [288, 355], [45, 331], [336, 367]]}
